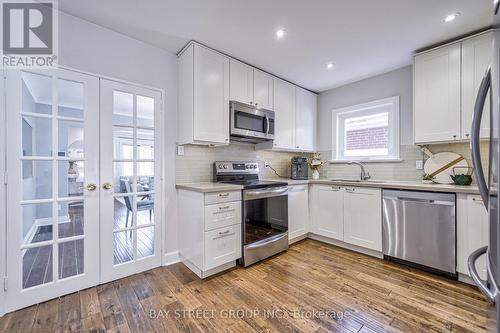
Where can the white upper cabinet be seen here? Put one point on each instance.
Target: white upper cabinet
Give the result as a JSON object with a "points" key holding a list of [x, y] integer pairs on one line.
{"points": [[203, 96], [263, 90], [363, 217], [305, 119], [446, 83], [476, 57], [241, 82], [437, 95], [284, 108]]}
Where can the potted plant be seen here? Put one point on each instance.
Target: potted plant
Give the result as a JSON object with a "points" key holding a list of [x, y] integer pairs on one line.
{"points": [[427, 179]]}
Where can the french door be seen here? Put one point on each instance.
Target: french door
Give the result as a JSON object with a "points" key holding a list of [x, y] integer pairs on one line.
{"points": [[53, 172], [131, 169], [83, 194]]}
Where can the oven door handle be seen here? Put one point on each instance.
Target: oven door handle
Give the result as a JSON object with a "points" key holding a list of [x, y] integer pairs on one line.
{"points": [[265, 193], [267, 241]]}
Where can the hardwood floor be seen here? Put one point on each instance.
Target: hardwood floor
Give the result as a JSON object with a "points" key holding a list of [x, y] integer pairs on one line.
{"points": [[356, 293]]}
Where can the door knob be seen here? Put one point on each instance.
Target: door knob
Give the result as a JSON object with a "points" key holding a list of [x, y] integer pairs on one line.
{"points": [[107, 186], [91, 187]]}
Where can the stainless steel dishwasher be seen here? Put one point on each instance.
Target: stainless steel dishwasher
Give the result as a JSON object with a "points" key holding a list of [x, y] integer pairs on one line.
{"points": [[419, 229]]}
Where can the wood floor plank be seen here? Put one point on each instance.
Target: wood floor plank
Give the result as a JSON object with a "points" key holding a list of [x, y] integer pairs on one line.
{"points": [[47, 317], [22, 321], [69, 315], [110, 306], [89, 302], [131, 305]]}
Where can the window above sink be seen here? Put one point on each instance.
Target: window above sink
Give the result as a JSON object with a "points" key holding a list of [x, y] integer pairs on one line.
{"points": [[367, 132]]}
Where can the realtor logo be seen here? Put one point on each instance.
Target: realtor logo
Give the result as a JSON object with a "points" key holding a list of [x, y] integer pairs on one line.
{"points": [[28, 34]]}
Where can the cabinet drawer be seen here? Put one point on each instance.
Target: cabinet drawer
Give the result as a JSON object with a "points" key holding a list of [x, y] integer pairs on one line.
{"points": [[222, 215], [222, 245], [219, 197]]}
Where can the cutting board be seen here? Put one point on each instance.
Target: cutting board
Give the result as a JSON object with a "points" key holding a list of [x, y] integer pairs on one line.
{"points": [[437, 161]]}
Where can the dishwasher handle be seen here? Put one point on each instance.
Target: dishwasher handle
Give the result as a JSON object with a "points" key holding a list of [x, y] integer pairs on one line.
{"points": [[425, 201]]}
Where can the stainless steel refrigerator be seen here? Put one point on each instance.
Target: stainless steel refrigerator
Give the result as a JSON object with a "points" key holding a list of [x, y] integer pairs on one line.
{"points": [[490, 88]]}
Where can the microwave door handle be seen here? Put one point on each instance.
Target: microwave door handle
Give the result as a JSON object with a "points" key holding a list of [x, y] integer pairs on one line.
{"points": [[266, 130], [476, 134]]}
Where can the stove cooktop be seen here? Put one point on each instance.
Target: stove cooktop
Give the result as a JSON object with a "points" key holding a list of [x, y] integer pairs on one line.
{"points": [[255, 183]]}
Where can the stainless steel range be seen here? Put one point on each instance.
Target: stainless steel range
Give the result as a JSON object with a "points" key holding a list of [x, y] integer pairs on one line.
{"points": [[265, 210]]}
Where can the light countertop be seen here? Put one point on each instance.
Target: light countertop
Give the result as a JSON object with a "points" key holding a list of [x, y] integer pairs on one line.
{"points": [[392, 184], [207, 187]]}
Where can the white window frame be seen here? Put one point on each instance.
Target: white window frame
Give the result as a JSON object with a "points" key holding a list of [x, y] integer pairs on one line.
{"points": [[339, 115]]}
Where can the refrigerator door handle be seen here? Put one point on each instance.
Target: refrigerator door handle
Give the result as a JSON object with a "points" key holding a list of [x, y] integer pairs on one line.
{"points": [[476, 134], [482, 285]]}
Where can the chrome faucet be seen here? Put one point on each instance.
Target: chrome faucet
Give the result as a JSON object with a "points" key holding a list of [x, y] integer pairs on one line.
{"points": [[365, 175]]}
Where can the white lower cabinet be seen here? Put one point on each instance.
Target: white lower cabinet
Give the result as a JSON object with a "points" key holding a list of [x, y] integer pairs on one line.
{"points": [[363, 217], [349, 214], [298, 211], [222, 246], [472, 231], [327, 211], [209, 230]]}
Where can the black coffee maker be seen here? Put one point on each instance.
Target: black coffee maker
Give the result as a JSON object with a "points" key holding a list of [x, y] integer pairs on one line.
{"points": [[299, 168]]}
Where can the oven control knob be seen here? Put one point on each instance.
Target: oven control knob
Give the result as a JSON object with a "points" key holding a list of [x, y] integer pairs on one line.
{"points": [[247, 166], [225, 166], [220, 166]]}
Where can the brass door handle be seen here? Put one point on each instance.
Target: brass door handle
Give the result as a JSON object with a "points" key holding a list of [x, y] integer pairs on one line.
{"points": [[91, 187], [107, 186]]}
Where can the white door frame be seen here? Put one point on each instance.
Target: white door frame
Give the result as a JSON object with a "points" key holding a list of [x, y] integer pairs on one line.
{"points": [[3, 204], [109, 271], [16, 297]]}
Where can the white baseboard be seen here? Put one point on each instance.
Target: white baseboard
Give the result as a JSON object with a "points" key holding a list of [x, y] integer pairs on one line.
{"points": [[171, 258], [351, 247], [296, 239]]}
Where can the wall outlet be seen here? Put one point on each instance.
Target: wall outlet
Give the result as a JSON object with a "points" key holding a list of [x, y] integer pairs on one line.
{"points": [[266, 164], [180, 150], [419, 164]]}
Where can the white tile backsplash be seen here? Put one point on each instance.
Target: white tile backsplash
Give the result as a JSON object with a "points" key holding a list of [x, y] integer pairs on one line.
{"points": [[197, 163]]}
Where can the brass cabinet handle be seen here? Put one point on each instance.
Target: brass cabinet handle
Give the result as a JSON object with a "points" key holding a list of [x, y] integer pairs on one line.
{"points": [[91, 187], [107, 186]]}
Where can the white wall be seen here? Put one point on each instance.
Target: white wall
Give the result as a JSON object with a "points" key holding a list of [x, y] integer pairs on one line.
{"points": [[395, 83], [88, 47]]}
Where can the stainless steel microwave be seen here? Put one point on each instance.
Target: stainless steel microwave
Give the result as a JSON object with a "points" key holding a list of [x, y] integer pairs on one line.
{"points": [[250, 124]]}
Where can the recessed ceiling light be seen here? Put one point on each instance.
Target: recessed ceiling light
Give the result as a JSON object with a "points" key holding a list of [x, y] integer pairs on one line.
{"points": [[280, 33], [451, 17], [329, 65]]}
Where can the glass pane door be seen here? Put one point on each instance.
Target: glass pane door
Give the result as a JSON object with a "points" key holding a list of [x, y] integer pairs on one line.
{"points": [[130, 168], [52, 162]]}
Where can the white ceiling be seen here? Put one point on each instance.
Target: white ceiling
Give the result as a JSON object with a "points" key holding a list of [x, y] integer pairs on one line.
{"points": [[361, 37]]}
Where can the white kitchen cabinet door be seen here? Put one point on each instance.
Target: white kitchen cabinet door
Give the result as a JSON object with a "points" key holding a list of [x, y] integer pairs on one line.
{"points": [[211, 96], [476, 57], [305, 119], [284, 108], [222, 246], [472, 231], [298, 210], [240, 82], [327, 211], [437, 95], [363, 217], [263, 90]]}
